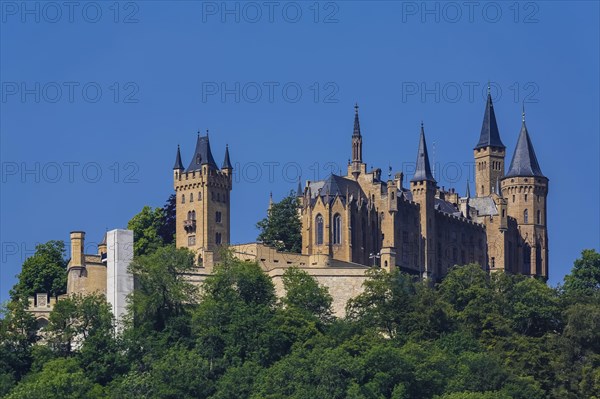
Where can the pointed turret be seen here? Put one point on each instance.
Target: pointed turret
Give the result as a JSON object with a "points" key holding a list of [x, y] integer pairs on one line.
{"points": [[524, 162], [468, 194], [227, 161], [490, 135], [178, 163], [202, 155], [422, 168]]}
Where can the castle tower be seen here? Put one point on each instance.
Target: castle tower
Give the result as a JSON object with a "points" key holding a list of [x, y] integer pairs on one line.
{"points": [[526, 189], [489, 153], [423, 188], [357, 166], [203, 201]]}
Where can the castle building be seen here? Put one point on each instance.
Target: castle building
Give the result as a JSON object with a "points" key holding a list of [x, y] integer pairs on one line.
{"points": [[362, 219]]}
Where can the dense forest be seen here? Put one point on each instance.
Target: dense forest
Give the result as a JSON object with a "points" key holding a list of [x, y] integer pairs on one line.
{"points": [[473, 336]]}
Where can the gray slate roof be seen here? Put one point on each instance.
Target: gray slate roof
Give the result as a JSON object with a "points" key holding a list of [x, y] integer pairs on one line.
{"points": [[202, 155], [484, 205], [226, 161], [422, 168], [178, 163], [524, 161], [490, 136], [335, 185]]}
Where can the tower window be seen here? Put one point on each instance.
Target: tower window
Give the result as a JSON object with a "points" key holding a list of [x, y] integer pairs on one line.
{"points": [[319, 222], [218, 197], [526, 216], [493, 262], [513, 198], [199, 196], [218, 217], [183, 198], [218, 238], [337, 229], [525, 197], [191, 197]]}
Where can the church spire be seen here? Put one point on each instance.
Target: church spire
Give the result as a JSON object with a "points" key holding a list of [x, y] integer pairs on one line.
{"points": [[226, 161], [490, 136], [423, 168], [178, 163], [468, 194], [524, 162], [356, 132]]}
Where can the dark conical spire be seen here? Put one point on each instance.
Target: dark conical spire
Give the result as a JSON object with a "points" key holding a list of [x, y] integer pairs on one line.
{"points": [[202, 154], [524, 161], [356, 131], [423, 169], [468, 194], [178, 163], [490, 136], [226, 161]]}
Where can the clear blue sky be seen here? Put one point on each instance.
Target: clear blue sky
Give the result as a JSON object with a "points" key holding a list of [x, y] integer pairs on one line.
{"points": [[96, 98]]}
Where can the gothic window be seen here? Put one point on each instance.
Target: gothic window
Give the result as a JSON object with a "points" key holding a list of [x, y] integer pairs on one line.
{"points": [[212, 195], [218, 238], [199, 196], [189, 215], [539, 217], [513, 198], [218, 217], [337, 229], [525, 197], [191, 197], [319, 222], [191, 241], [193, 215], [525, 216], [183, 198]]}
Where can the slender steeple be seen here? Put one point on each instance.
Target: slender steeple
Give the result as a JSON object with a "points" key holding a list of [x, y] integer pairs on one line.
{"points": [[422, 168], [226, 161], [356, 132], [357, 165], [524, 162], [468, 194], [490, 136], [178, 163]]}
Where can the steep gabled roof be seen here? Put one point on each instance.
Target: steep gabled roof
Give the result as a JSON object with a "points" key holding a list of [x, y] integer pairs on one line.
{"points": [[490, 136], [524, 161], [202, 155]]}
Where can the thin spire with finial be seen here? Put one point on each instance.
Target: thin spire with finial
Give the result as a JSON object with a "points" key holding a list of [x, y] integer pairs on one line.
{"points": [[489, 87], [356, 131], [523, 112], [468, 194]]}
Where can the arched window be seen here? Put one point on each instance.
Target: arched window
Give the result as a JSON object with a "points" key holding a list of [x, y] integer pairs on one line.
{"points": [[183, 198], [319, 222], [539, 217], [218, 238], [218, 217], [337, 229], [193, 215], [189, 215], [525, 216], [199, 195], [191, 197]]}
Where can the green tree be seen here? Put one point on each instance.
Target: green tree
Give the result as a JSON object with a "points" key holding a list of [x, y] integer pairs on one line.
{"points": [[17, 337], [44, 272], [146, 226], [585, 275], [304, 293], [281, 229], [166, 230], [60, 378]]}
